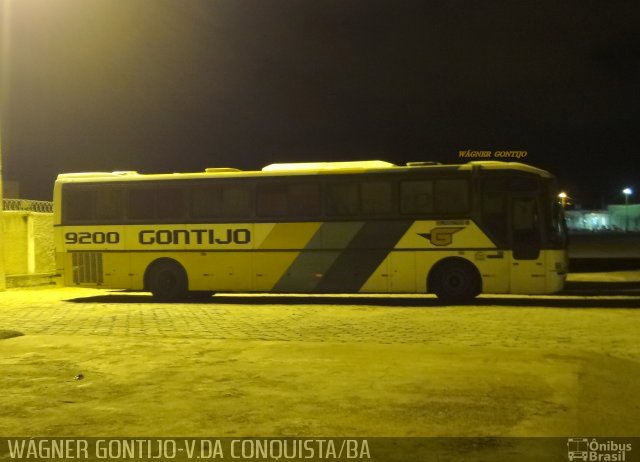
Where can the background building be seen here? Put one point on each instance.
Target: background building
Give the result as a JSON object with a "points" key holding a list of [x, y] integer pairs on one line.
{"points": [[614, 218]]}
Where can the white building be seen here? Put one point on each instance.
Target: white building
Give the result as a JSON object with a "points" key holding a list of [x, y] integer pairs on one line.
{"points": [[615, 218]]}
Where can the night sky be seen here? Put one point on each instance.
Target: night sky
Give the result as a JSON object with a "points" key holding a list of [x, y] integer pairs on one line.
{"points": [[180, 85]]}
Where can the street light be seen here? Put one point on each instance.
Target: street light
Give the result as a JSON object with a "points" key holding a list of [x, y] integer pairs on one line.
{"points": [[563, 198], [627, 192]]}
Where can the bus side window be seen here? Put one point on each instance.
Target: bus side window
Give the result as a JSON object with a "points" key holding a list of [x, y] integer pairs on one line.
{"points": [[376, 197], [78, 205], [416, 197], [304, 200], [452, 196], [236, 202], [362, 198], [220, 201], [169, 203], [343, 199], [141, 204], [429, 196], [205, 202], [82, 205], [288, 200], [271, 200], [108, 205]]}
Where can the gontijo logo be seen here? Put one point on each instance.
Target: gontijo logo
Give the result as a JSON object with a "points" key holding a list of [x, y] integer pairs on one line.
{"points": [[442, 236], [198, 236]]}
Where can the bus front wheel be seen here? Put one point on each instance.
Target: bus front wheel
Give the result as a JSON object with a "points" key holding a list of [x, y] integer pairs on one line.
{"points": [[455, 280], [167, 280]]}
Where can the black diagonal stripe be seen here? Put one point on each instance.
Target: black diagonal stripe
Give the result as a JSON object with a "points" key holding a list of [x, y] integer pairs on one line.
{"points": [[357, 262], [317, 257]]}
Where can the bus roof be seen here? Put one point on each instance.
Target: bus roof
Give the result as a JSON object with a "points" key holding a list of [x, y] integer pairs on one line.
{"points": [[302, 168], [324, 166]]}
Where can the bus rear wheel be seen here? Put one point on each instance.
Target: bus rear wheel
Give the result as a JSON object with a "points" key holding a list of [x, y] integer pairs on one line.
{"points": [[455, 280], [167, 280]]}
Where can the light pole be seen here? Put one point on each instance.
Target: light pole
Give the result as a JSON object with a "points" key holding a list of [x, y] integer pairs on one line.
{"points": [[5, 38], [627, 192]]}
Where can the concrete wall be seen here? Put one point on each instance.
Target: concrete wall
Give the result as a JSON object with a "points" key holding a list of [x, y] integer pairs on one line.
{"points": [[28, 243]]}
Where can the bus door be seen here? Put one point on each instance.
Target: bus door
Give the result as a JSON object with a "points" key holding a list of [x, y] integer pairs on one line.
{"points": [[527, 260]]}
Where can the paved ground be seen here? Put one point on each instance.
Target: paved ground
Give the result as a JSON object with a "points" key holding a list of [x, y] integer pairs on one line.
{"points": [[99, 363]]}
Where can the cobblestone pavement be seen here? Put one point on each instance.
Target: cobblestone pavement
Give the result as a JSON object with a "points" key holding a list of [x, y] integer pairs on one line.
{"points": [[340, 365], [606, 325]]}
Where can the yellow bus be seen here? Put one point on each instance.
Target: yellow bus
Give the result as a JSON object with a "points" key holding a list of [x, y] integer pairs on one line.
{"points": [[332, 227]]}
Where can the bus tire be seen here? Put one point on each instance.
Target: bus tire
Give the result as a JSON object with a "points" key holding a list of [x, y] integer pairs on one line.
{"points": [[454, 280], [167, 280]]}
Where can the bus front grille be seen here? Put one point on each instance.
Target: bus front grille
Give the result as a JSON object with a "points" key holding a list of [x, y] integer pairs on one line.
{"points": [[87, 267]]}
